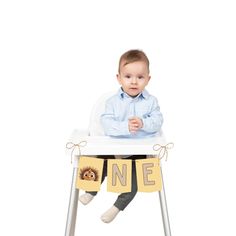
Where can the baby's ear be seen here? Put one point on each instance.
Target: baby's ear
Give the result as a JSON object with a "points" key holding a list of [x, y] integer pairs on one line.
{"points": [[118, 78]]}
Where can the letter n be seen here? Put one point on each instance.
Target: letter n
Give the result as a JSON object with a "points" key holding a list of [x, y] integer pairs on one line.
{"points": [[117, 174]]}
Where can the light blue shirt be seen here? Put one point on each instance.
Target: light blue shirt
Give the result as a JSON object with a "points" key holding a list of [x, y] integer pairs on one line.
{"points": [[120, 107]]}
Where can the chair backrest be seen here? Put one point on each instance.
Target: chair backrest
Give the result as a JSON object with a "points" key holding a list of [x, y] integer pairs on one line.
{"points": [[95, 127]]}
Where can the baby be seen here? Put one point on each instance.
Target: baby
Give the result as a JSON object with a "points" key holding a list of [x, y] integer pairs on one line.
{"points": [[131, 113]]}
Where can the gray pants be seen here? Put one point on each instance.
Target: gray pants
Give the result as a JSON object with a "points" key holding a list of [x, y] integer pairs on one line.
{"points": [[123, 199]]}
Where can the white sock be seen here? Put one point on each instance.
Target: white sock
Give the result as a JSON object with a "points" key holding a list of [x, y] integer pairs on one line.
{"points": [[86, 198], [110, 214]]}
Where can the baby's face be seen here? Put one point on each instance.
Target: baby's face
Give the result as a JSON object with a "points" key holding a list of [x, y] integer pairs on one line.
{"points": [[134, 77]]}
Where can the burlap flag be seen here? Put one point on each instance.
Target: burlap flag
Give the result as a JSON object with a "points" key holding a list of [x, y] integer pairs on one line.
{"points": [[89, 173], [148, 175], [119, 175]]}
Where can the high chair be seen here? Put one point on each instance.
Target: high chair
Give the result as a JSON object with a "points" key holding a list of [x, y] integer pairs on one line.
{"points": [[94, 142]]}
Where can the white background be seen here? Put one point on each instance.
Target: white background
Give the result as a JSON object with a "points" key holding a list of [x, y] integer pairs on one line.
{"points": [[58, 57]]}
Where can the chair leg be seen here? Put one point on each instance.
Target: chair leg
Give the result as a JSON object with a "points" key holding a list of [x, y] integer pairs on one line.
{"points": [[72, 209], [164, 211]]}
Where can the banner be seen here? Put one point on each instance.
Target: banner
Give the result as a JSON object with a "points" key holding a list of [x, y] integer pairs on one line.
{"points": [[119, 174], [148, 175], [89, 174]]}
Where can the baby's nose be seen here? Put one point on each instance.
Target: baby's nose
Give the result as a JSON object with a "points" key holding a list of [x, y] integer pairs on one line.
{"points": [[134, 80]]}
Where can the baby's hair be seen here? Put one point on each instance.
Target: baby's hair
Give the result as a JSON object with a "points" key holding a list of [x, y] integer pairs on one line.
{"points": [[133, 56]]}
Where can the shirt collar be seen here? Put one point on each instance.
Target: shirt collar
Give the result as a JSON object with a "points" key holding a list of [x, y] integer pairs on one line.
{"points": [[144, 94]]}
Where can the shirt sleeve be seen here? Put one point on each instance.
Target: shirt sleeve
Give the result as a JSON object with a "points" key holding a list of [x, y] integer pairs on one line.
{"points": [[111, 125], [152, 122]]}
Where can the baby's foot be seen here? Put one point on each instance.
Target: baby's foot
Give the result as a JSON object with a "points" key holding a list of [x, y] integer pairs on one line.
{"points": [[110, 214], [86, 198]]}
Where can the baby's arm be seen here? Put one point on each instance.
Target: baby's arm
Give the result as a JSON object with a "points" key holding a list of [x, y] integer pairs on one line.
{"points": [[112, 126], [153, 121]]}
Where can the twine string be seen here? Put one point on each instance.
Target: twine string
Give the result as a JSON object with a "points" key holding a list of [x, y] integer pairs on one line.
{"points": [[162, 151], [74, 146]]}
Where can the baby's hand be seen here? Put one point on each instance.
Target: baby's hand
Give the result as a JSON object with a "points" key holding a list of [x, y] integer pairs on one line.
{"points": [[135, 123]]}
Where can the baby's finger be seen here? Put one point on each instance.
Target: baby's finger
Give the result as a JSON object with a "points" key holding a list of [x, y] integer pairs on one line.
{"points": [[134, 128], [133, 121]]}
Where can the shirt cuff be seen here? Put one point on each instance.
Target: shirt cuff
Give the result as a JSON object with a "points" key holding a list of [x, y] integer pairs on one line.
{"points": [[124, 128], [146, 125]]}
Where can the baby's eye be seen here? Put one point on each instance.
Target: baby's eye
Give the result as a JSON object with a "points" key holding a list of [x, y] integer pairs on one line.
{"points": [[140, 77], [127, 76]]}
